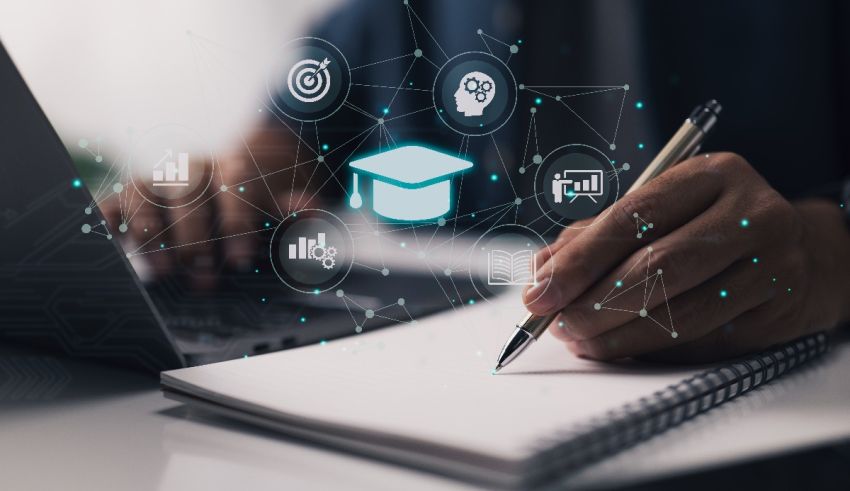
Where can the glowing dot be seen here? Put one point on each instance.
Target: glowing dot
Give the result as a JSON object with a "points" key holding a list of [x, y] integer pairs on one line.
{"points": [[86, 228], [597, 306], [162, 246], [724, 293], [241, 189], [320, 158], [789, 290], [538, 101], [322, 342], [643, 313], [537, 158], [340, 293], [644, 228], [473, 215], [447, 272], [773, 279], [267, 224], [385, 272], [417, 53], [518, 201], [302, 319], [117, 187], [358, 330], [87, 211], [256, 270], [619, 283], [674, 334], [403, 244], [493, 372], [316, 291], [755, 260], [401, 301], [386, 110], [494, 177], [639, 104], [640, 146], [223, 188], [745, 222], [77, 183], [122, 228], [263, 299], [471, 301], [514, 49], [83, 143], [441, 222], [98, 159], [325, 146], [370, 313]]}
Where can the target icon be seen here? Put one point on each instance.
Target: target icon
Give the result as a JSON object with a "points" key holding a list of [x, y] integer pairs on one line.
{"points": [[309, 80]]}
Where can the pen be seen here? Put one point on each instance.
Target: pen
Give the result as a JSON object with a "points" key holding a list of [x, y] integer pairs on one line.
{"points": [[684, 143]]}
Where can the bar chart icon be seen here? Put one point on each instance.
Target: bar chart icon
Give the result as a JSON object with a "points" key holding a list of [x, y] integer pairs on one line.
{"points": [[167, 172], [304, 247], [583, 183]]}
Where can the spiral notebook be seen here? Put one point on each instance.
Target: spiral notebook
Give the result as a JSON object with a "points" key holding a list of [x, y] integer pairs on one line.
{"points": [[423, 395]]}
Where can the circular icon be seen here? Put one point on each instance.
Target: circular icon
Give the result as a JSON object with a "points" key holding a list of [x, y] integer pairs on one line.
{"points": [[312, 82], [312, 251], [171, 166], [506, 257], [575, 182], [475, 93]]}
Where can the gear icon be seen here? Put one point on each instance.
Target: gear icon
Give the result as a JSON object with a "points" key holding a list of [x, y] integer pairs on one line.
{"points": [[331, 251], [480, 96], [325, 255], [478, 89], [471, 85], [328, 262], [486, 86], [318, 252]]}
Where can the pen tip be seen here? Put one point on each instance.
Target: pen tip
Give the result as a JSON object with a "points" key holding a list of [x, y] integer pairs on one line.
{"points": [[496, 370]]}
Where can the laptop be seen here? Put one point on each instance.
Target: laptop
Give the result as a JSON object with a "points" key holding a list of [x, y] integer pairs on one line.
{"points": [[77, 294]]}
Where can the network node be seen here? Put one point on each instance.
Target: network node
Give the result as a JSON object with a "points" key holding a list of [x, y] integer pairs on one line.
{"points": [[533, 110], [117, 187], [380, 120], [642, 313], [626, 87], [612, 146], [660, 271], [514, 49], [518, 201], [522, 170], [370, 313], [674, 334], [479, 32], [626, 166], [521, 87], [87, 211], [417, 53], [340, 293], [537, 158], [358, 329], [86, 228], [597, 306], [447, 272], [108, 236], [635, 214], [385, 272], [128, 255], [401, 301], [122, 228], [320, 158], [558, 98], [98, 159], [223, 188]]}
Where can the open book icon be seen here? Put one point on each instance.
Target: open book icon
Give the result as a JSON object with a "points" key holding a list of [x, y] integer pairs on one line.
{"points": [[504, 268]]}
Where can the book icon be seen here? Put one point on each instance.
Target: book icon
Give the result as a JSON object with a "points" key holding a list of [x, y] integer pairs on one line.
{"points": [[505, 268]]}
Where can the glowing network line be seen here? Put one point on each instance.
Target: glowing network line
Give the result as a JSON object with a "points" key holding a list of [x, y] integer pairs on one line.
{"points": [[649, 283]]}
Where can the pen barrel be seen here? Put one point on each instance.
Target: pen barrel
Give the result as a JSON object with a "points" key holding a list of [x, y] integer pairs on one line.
{"points": [[536, 326], [684, 143]]}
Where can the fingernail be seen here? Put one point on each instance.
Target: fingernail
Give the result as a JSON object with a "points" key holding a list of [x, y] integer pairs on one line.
{"points": [[543, 297]]}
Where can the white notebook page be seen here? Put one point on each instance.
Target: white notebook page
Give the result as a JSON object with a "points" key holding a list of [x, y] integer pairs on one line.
{"points": [[432, 381]]}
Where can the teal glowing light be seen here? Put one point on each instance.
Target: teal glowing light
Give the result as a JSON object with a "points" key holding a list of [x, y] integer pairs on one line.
{"points": [[162, 246], [640, 146], [256, 270], [724, 294], [755, 260], [538, 101], [77, 183], [473, 215], [325, 146], [494, 177], [323, 342], [241, 189], [264, 299], [268, 224], [302, 319], [789, 290], [385, 110], [639, 104], [471, 301], [619, 283], [745, 222]]}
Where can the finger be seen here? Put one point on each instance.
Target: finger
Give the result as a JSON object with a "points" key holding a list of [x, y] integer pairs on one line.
{"points": [[604, 245], [744, 334], [683, 258], [690, 315]]}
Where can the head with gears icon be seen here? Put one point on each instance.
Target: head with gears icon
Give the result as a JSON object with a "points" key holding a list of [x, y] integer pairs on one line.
{"points": [[475, 92]]}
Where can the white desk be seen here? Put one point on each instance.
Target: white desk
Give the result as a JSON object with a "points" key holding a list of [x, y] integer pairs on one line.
{"points": [[110, 429]]}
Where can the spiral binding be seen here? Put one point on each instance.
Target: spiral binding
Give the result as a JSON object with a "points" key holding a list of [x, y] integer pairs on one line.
{"points": [[649, 416]]}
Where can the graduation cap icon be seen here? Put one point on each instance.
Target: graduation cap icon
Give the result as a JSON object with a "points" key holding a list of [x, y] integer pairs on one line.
{"points": [[409, 182]]}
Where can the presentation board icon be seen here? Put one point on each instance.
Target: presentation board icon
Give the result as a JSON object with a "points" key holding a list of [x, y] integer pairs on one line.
{"points": [[573, 184], [409, 183], [167, 172], [509, 269]]}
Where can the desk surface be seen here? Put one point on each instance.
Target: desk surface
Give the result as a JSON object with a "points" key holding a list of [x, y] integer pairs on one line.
{"points": [[74, 425]]}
